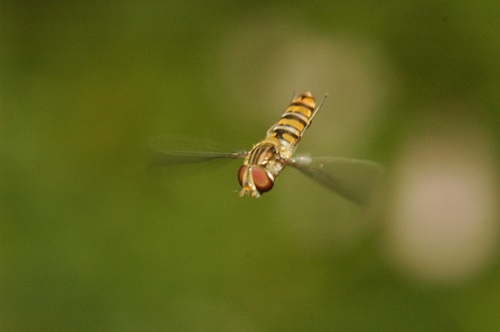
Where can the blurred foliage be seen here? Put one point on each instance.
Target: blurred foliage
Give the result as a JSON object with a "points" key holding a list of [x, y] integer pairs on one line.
{"points": [[92, 240]]}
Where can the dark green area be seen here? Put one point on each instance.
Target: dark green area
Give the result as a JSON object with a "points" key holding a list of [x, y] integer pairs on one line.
{"points": [[91, 240]]}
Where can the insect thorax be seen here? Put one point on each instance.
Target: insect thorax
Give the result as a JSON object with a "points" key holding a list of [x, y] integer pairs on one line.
{"points": [[269, 153]]}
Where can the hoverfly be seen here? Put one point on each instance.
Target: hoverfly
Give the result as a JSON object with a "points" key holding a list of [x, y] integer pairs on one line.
{"points": [[352, 178]]}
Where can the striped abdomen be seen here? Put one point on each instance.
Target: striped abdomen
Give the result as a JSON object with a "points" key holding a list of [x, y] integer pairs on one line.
{"points": [[294, 121]]}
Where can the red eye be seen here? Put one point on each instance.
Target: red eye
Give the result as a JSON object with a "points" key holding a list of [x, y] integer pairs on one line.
{"points": [[241, 173], [260, 177]]}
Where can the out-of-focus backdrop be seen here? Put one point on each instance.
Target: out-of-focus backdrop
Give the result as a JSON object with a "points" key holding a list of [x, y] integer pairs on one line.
{"points": [[93, 240]]}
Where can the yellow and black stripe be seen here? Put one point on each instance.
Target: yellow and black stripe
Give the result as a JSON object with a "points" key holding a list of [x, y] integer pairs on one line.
{"points": [[297, 117], [269, 157]]}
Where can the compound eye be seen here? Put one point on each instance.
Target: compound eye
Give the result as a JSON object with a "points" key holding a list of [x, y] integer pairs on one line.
{"points": [[241, 174], [261, 179]]}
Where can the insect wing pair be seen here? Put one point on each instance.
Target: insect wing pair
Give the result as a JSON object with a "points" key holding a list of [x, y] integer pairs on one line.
{"points": [[354, 179]]}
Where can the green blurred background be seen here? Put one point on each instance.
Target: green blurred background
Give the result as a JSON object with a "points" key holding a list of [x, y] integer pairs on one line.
{"points": [[91, 240]]}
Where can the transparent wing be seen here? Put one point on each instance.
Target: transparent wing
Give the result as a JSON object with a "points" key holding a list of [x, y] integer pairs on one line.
{"points": [[354, 179], [175, 150]]}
